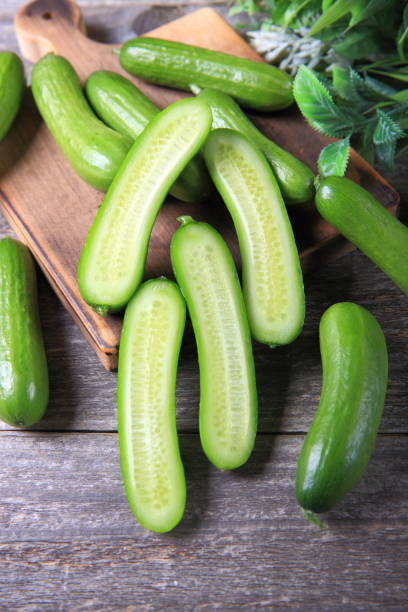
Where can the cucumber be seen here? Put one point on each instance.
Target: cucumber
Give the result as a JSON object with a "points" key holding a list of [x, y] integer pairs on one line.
{"points": [[150, 460], [112, 262], [122, 106], [94, 150], [205, 271], [341, 438], [12, 87], [271, 273], [253, 84], [23, 364], [356, 214], [295, 179]]}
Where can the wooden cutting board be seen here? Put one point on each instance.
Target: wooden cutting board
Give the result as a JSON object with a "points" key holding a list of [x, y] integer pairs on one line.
{"points": [[51, 208]]}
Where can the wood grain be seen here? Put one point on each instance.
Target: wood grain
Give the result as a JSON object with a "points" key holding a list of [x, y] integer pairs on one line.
{"points": [[52, 209]]}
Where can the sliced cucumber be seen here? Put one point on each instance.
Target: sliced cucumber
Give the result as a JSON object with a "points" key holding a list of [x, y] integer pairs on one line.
{"points": [[271, 272], [149, 453]]}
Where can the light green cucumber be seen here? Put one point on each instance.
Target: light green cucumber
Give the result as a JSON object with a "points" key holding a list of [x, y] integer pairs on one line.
{"points": [[295, 179], [271, 272], [122, 106], [205, 271], [150, 460], [12, 86], [94, 150], [112, 262]]}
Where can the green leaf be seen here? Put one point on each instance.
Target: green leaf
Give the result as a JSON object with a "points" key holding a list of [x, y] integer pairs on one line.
{"points": [[333, 159], [387, 129], [343, 84], [386, 153], [359, 43], [363, 10], [317, 105], [333, 13], [400, 75], [401, 96], [371, 89]]}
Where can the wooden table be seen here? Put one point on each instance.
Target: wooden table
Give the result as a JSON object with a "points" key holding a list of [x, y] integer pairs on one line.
{"points": [[67, 537]]}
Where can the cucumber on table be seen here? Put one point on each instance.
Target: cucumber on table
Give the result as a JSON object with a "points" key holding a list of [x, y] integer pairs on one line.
{"points": [[295, 179], [271, 272], [206, 273], [112, 262], [12, 86], [342, 436], [94, 150], [23, 364], [122, 106], [150, 460], [253, 84]]}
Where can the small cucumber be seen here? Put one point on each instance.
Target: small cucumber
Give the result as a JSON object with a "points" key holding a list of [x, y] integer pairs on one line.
{"points": [[253, 84], [295, 179], [93, 149], [23, 364], [206, 274], [122, 106], [112, 262], [341, 438], [12, 86], [356, 214], [271, 273], [149, 453]]}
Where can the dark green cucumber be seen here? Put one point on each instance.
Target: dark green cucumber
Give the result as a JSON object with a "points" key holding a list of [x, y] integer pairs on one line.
{"points": [[150, 342], [253, 84], [207, 276], [295, 179], [12, 86], [23, 364], [271, 272], [122, 106], [93, 149], [112, 262], [356, 214], [341, 438]]}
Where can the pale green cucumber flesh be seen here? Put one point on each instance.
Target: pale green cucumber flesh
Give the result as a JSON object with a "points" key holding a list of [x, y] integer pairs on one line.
{"points": [[149, 453], [206, 274], [272, 277], [112, 263]]}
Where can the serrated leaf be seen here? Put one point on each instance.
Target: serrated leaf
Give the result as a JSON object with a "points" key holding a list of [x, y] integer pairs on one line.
{"points": [[369, 88], [343, 84], [386, 153], [387, 129], [333, 159], [359, 43], [317, 105], [332, 14]]}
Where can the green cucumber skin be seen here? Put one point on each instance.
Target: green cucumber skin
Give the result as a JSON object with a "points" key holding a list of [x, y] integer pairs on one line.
{"points": [[232, 447], [295, 179], [23, 364], [122, 106], [254, 249], [253, 84], [123, 222], [12, 87], [342, 436], [151, 295], [93, 149], [356, 214]]}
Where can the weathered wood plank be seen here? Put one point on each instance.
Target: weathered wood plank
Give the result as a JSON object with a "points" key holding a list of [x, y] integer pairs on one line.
{"points": [[68, 540]]}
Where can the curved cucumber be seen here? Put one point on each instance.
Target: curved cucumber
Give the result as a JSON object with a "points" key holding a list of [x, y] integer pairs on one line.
{"points": [[23, 364], [354, 212], [271, 273], [93, 149], [122, 106], [295, 179], [206, 273], [149, 453], [112, 262], [254, 84], [341, 438], [12, 86]]}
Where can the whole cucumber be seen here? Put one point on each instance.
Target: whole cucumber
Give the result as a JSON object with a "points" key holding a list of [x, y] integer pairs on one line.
{"points": [[356, 214], [93, 149], [253, 84], [122, 106], [295, 179], [12, 86], [341, 438], [23, 364]]}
